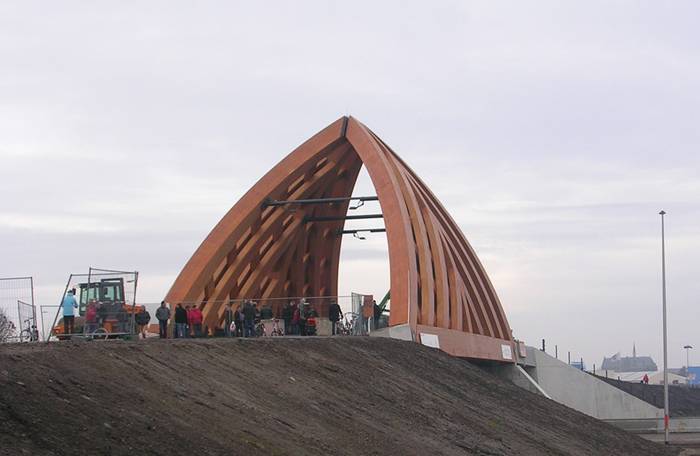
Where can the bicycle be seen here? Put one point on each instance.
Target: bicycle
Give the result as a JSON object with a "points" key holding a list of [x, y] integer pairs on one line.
{"points": [[260, 329], [29, 333], [346, 326], [276, 330]]}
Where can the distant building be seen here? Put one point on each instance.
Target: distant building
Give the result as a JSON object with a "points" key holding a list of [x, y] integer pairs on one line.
{"points": [[634, 363]]}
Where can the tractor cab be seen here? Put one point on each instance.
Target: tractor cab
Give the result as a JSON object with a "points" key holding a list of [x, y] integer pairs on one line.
{"points": [[107, 293]]}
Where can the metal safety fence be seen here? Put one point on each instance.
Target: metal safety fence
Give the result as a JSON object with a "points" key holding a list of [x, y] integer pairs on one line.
{"points": [[46, 315], [17, 309]]}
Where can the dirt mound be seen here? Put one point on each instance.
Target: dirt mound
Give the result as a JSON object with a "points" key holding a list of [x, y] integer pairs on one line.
{"points": [[682, 401], [279, 396]]}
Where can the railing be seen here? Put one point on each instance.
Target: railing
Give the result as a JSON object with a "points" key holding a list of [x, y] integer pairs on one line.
{"points": [[356, 315], [295, 315]]}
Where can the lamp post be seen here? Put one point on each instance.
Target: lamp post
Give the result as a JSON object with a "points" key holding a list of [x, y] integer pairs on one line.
{"points": [[663, 295], [687, 357]]}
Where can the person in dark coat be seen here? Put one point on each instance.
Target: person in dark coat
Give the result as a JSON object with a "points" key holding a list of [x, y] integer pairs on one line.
{"points": [[377, 313], [287, 314], [335, 314], [181, 321], [249, 319], [240, 320], [303, 309], [266, 312], [142, 320]]}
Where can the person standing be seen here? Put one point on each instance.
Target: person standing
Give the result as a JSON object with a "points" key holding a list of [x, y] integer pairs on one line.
{"points": [[266, 312], [142, 320], [69, 305], [102, 314], [163, 315], [257, 310], [287, 317], [228, 319], [377, 312], [180, 321], [310, 320], [249, 317], [196, 319], [334, 315], [91, 318], [240, 321], [295, 318], [303, 309]]}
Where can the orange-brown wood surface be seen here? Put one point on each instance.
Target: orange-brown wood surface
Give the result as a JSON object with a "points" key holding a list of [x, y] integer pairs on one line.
{"points": [[259, 251]]}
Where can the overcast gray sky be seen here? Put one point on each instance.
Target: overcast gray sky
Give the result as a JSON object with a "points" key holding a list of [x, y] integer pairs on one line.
{"points": [[553, 132]]}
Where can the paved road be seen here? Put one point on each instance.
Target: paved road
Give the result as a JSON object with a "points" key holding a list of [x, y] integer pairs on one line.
{"points": [[685, 440]]}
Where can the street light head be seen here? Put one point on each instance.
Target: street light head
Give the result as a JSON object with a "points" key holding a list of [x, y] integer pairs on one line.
{"points": [[662, 213], [688, 347]]}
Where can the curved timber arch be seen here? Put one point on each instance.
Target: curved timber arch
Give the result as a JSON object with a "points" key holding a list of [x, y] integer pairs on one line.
{"points": [[438, 285]]}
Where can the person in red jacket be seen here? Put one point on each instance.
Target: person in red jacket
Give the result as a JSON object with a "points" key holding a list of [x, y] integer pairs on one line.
{"points": [[91, 318], [196, 318]]}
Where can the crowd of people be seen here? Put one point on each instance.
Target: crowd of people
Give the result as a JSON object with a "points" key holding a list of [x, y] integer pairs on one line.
{"points": [[245, 320]]}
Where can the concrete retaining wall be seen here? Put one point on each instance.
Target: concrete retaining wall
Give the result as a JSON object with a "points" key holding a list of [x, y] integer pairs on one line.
{"points": [[585, 393]]}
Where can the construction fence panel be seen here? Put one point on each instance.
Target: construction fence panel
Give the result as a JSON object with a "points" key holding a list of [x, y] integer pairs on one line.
{"points": [[28, 331], [12, 291]]}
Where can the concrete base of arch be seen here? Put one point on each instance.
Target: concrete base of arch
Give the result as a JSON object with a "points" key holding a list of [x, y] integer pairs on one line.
{"points": [[455, 343]]}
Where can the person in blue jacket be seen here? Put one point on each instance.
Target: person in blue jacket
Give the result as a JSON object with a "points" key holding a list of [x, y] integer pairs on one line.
{"points": [[69, 305]]}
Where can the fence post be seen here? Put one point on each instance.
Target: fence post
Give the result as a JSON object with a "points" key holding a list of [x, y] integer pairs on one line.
{"points": [[19, 320], [36, 323]]}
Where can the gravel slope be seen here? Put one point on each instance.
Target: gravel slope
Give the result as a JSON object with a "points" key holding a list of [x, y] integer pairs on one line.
{"points": [[280, 396]]}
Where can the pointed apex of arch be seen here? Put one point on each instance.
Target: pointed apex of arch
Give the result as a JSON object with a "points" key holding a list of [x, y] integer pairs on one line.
{"points": [[438, 285]]}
